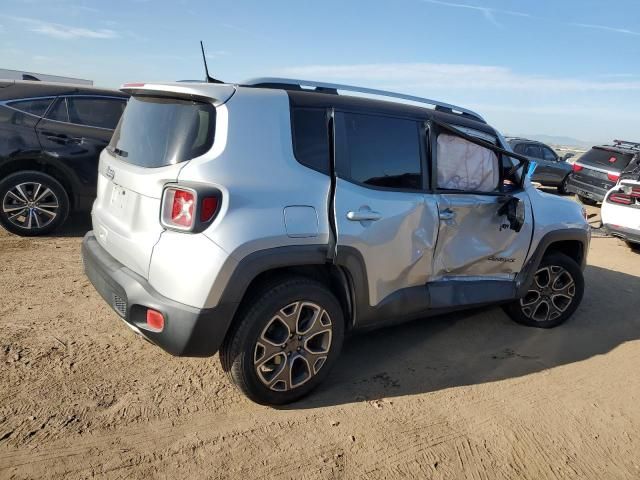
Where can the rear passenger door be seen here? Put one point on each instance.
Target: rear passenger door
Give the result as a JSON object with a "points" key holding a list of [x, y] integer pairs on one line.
{"points": [[76, 129], [384, 221]]}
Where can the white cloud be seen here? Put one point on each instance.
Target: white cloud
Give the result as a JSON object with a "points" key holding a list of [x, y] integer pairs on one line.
{"points": [[65, 32], [606, 28], [487, 12], [60, 31], [418, 76]]}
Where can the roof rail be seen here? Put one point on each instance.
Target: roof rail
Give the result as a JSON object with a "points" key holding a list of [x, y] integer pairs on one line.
{"points": [[626, 144], [275, 82]]}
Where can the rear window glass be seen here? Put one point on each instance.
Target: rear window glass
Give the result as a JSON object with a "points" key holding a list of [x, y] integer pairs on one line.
{"points": [[155, 132], [606, 159], [34, 107]]}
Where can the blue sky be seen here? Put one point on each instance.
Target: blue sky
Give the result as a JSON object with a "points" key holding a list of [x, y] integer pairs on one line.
{"points": [[558, 67]]}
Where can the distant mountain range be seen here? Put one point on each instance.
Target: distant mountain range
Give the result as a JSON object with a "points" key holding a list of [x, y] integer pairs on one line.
{"points": [[559, 140]]}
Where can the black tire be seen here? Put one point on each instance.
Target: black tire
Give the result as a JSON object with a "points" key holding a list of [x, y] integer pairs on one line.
{"points": [[633, 246], [530, 310], [263, 382], [587, 201], [35, 221], [562, 188]]}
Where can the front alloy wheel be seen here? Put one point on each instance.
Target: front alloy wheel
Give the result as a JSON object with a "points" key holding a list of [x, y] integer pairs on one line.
{"points": [[554, 294], [550, 295]]}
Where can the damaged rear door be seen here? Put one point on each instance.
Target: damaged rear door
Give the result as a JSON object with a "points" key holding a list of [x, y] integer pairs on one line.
{"points": [[478, 190]]}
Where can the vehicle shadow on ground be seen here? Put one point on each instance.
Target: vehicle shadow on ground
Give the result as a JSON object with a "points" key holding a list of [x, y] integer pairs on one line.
{"points": [[480, 346], [75, 226]]}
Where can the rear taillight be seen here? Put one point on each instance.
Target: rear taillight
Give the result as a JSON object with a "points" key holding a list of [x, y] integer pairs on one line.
{"points": [[614, 177], [178, 207], [576, 167], [635, 192], [189, 209], [620, 198], [208, 208]]}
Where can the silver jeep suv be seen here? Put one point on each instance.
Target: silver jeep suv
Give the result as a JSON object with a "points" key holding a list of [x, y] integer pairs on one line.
{"points": [[268, 219]]}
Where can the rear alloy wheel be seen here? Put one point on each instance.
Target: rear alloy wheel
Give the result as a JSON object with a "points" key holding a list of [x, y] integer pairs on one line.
{"points": [[285, 341], [32, 203], [554, 294]]}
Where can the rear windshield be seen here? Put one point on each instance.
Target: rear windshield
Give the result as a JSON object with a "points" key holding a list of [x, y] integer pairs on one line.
{"points": [[155, 131], [608, 159]]}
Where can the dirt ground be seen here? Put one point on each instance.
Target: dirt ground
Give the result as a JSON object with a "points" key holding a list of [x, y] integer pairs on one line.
{"points": [[471, 395]]}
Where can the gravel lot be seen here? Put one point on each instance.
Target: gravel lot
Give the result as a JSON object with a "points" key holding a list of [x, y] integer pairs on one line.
{"points": [[470, 395]]}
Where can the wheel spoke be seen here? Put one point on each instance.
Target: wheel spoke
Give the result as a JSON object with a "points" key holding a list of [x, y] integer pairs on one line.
{"points": [[36, 189], [24, 196], [16, 197], [45, 194], [47, 212]]}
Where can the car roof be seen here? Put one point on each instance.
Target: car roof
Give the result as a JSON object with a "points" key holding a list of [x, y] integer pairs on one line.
{"points": [[16, 89], [617, 149]]}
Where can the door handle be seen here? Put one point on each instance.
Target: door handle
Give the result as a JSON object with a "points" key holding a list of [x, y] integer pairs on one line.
{"points": [[447, 214], [363, 216]]}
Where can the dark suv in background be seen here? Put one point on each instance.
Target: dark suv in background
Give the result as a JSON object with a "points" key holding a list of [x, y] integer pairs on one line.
{"points": [[50, 137], [598, 170], [551, 170]]}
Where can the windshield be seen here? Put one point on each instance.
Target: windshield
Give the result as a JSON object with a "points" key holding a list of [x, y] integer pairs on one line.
{"points": [[159, 131]]}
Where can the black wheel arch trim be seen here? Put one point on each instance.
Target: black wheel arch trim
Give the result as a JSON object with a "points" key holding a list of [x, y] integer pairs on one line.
{"points": [[526, 275]]}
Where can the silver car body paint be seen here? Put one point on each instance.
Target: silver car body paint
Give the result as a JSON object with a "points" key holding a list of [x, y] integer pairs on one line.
{"points": [[398, 247], [475, 240], [270, 200]]}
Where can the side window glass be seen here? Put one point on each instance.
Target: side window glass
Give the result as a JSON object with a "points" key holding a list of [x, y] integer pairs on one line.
{"points": [[533, 151], [34, 107], [547, 154], [379, 151], [59, 111], [519, 148], [463, 165], [311, 138], [95, 112]]}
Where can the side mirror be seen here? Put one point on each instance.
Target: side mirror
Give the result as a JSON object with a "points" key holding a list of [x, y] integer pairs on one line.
{"points": [[567, 156], [514, 210]]}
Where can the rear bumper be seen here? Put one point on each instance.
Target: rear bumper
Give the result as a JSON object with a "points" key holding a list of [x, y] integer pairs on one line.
{"points": [[628, 234], [188, 331], [586, 190]]}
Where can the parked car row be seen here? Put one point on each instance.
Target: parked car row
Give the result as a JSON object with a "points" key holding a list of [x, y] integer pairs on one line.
{"points": [[51, 135]]}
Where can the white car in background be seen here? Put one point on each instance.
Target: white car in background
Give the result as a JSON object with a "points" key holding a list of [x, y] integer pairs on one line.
{"points": [[621, 212]]}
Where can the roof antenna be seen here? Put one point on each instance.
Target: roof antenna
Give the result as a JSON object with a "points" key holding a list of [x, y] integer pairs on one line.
{"points": [[208, 78]]}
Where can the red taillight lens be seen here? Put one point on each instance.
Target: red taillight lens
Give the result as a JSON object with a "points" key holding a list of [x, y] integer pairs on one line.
{"points": [[621, 198], [635, 192], [208, 208], [576, 167], [155, 320], [614, 177], [178, 207]]}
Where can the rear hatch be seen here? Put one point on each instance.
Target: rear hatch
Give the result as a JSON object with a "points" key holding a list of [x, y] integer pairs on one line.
{"points": [[161, 129], [601, 166]]}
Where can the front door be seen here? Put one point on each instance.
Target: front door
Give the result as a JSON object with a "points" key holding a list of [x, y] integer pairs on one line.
{"points": [[475, 242]]}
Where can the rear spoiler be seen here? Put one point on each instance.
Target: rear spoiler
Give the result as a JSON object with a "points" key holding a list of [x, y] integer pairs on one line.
{"points": [[216, 93]]}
